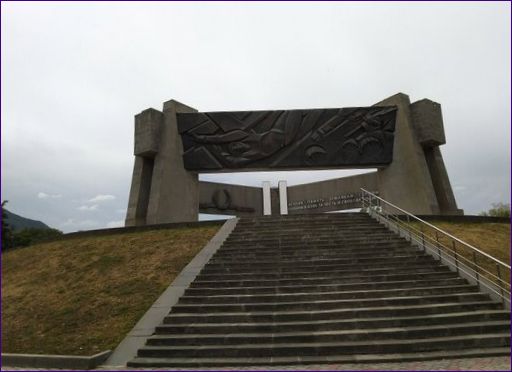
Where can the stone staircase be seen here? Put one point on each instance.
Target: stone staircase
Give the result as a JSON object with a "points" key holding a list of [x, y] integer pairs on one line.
{"points": [[327, 288]]}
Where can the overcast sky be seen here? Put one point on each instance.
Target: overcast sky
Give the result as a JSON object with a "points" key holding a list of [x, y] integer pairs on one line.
{"points": [[75, 74]]}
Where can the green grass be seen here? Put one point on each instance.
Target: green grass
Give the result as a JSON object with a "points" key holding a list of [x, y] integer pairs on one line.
{"points": [[81, 296]]}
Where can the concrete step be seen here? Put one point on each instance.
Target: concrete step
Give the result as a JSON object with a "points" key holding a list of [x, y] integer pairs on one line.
{"points": [[326, 243], [331, 348], [386, 263], [356, 335], [306, 272], [306, 246], [303, 234], [337, 324], [309, 229], [317, 247], [242, 225], [325, 296], [305, 360], [323, 288], [329, 304], [220, 281], [307, 217], [320, 262], [361, 312], [317, 229], [221, 257]]}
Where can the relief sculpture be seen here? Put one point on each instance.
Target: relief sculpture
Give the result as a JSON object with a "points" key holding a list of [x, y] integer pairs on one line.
{"points": [[293, 139], [221, 201]]}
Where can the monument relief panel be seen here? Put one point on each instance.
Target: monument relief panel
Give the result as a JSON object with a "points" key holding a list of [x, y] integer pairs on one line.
{"points": [[293, 139]]}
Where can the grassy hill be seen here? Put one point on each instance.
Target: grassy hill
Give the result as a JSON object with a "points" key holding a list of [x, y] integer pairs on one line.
{"points": [[492, 238], [19, 223], [83, 295]]}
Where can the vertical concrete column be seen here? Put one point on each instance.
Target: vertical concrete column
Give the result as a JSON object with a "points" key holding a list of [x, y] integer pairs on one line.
{"points": [[146, 143], [283, 197], [174, 195], [406, 181], [267, 204], [139, 192], [133, 217], [428, 124], [441, 182]]}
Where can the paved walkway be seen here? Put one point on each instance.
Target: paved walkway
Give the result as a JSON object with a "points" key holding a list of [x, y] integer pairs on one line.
{"points": [[468, 364]]}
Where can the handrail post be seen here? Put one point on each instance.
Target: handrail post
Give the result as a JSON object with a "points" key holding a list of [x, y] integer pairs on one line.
{"points": [[409, 228], [475, 269], [423, 240], [499, 283], [439, 248], [455, 255]]}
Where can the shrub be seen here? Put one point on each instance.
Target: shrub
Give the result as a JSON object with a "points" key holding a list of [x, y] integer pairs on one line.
{"points": [[498, 210]]}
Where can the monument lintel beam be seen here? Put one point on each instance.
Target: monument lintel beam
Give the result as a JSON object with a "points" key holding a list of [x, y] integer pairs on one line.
{"points": [[287, 139]]}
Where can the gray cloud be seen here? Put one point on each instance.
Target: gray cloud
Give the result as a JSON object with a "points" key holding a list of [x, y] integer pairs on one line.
{"points": [[74, 74]]}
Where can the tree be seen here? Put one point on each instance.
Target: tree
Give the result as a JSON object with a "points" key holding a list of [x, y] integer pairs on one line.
{"points": [[6, 230], [498, 210], [31, 236]]}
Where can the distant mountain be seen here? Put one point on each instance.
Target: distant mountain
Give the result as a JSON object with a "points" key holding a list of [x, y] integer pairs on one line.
{"points": [[19, 223]]}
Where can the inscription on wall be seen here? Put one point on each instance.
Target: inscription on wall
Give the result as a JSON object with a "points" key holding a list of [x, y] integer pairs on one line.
{"points": [[334, 202]]}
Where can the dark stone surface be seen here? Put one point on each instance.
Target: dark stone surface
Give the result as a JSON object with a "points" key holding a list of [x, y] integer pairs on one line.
{"points": [[226, 199], [294, 139]]}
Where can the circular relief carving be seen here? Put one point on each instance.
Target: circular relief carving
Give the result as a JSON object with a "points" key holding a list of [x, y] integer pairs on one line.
{"points": [[221, 199], [350, 151], [371, 149], [314, 154]]}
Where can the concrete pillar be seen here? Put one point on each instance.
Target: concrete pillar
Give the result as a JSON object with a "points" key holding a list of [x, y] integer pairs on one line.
{"points": [[406, 181], [427, 120], [146, 144], [283, 198], [441, 182], [174, 195], [267, 199], [139, 192]]}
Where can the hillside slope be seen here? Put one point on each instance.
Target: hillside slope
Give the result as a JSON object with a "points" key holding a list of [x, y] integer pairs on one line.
{"points": [[82, 295], [18, 222]]}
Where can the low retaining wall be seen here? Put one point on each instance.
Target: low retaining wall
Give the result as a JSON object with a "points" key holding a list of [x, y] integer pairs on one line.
{"points": [[131, 229], [54, 361]]}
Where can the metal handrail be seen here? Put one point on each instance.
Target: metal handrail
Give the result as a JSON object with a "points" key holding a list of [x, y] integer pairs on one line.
{"points": [[439, 230], [494, 283], [439, 244]]}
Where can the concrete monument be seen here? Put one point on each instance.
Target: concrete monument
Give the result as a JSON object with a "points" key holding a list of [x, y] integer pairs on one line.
{"points": [[398, 138]]}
